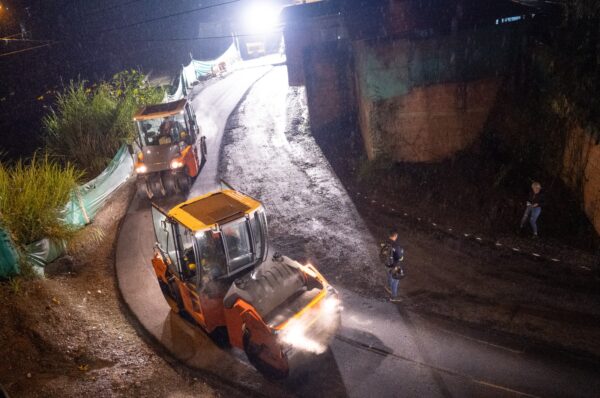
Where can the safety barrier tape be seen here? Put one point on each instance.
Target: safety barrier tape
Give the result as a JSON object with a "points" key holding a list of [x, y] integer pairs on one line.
{"points": [[468, 235]]}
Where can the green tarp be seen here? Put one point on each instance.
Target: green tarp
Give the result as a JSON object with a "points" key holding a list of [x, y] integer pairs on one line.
{"points": [[196, 70], [9, 259], [43, 252], [86, 201]]}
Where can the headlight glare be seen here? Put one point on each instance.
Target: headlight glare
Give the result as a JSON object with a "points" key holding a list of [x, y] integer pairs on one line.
{"points": [[295, 335], [176, 164]]}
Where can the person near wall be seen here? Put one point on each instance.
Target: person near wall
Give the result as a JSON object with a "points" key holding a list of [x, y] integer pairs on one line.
{"points": [[392, 254], [533, 209]]}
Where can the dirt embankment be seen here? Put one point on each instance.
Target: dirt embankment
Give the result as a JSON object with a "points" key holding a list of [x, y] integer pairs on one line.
{"points": [[68, 335]]}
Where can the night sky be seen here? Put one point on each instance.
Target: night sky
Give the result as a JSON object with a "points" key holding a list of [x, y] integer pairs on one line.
{"points": [[93, 42]]}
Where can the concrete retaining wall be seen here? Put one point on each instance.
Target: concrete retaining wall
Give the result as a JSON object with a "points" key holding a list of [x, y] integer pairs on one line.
{"points": [[431, 123], [330, 85], [423, 100]]}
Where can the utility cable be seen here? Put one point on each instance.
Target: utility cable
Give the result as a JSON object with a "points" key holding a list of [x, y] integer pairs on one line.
{"points": [[100, 10], [54, 41], [233, 36], [26, 49], [8, 37], [172, 39], [7, 40], [131, 25]]}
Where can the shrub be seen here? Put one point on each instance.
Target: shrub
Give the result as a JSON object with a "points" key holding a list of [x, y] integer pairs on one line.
{"points": [[88, 125], [32, 196], [81, 130], [132, 85], [130, 90]]}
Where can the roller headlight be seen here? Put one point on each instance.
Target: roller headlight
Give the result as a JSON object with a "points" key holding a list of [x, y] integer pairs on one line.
{"points": [[176, 164], [295, 335], [331, 305], [141, 169]]}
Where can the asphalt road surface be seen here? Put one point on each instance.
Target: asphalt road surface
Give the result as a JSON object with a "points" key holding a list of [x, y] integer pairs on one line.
{"points": [[381, 350]]}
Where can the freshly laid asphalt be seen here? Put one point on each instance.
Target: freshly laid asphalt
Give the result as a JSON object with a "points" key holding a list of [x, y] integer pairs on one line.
{"points": [[381, 350], [137, 281]]}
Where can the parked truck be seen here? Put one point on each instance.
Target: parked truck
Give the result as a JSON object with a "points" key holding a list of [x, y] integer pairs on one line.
{"points": [[171, 149], [213, 264]]}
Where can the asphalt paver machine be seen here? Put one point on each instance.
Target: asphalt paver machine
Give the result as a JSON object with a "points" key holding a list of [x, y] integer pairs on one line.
{"points": [[171, 148], [213, 265]]}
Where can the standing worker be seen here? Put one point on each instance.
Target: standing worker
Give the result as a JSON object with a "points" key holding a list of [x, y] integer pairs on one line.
{"points": [[534, 207], [392, 254]]}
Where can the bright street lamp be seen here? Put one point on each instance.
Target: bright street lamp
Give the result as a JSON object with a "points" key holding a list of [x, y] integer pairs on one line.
{"points": [[261, 17]]}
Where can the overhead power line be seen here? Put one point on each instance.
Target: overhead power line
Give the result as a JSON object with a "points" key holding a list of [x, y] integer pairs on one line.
{"points": [[58, 41], [7, 40], [100, 10], [131, 25], [8, 37], [26, 49], [193, 38], [171, 39]]}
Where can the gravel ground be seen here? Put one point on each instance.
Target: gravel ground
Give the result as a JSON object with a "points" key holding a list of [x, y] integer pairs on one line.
{"points": [[270, 154], [313, 218], [68, 335]]}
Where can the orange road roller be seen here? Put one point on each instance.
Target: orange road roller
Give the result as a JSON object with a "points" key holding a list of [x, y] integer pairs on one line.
{"points": [[213, 264], [171, 149]]}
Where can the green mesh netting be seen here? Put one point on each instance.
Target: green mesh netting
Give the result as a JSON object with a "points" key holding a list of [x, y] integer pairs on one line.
{"points": [[9, 258], [43, 252], [196, 70], [86, 201]]}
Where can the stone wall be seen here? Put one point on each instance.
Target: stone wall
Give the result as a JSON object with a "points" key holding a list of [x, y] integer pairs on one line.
{"points": [[423, 100], [431, 123], [581, 170]]}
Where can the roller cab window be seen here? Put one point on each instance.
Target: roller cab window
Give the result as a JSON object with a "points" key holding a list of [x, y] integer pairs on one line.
{"points": [[164, 233], [167, 130], [236, 236], [258, 227], [212, 263], [245, 241], [186, 253]]}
